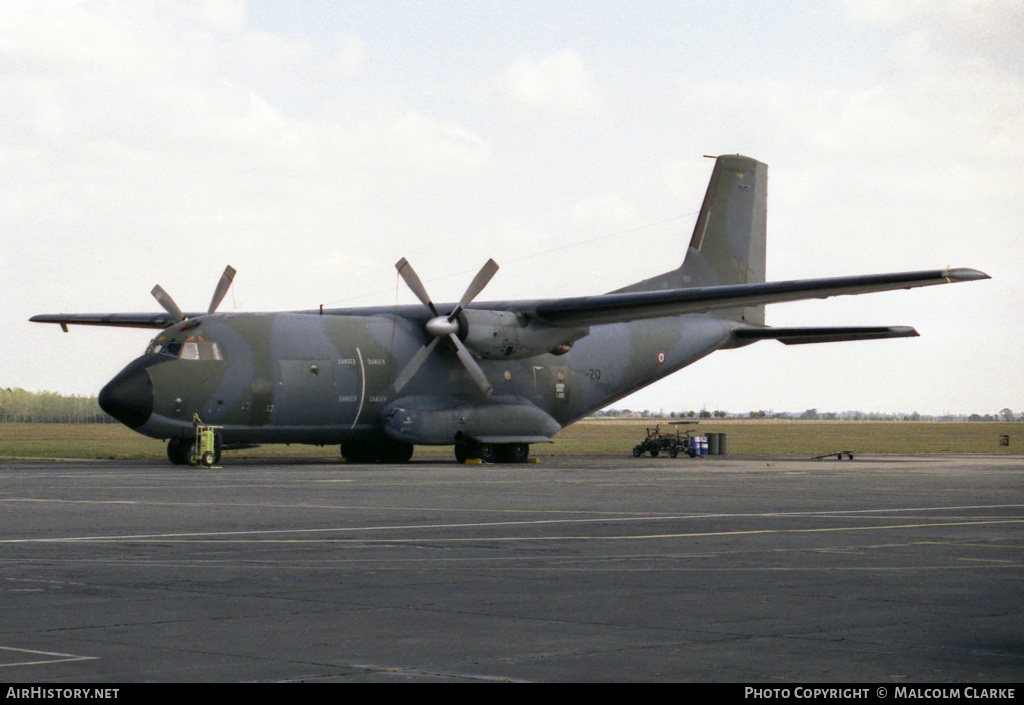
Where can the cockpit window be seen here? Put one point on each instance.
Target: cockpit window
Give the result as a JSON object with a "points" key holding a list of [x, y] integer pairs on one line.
{"points": [[191, 349], [172, 349], [209, 350]]}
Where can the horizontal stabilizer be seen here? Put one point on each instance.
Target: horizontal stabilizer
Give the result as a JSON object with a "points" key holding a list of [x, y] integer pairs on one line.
{"points": [[803, 336]]}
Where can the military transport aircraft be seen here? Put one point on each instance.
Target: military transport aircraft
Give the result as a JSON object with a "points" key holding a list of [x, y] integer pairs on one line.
{"points": [[487, 378]]}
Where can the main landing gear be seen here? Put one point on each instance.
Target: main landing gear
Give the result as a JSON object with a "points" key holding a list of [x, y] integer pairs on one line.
{"points": [[492, 452]]}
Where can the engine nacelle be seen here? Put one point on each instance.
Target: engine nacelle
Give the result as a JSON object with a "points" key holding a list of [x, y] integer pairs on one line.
{"points": [[503, 335]]}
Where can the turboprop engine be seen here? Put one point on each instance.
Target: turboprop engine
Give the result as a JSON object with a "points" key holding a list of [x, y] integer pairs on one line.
{"points": [[504, 335], [492, 335]]}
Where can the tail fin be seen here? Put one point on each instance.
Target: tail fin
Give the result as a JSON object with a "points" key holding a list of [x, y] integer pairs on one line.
{"points": [[728, 243]]}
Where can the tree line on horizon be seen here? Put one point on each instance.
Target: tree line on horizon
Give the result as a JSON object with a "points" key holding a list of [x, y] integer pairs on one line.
{"points": [[21, 406], [1005, 415]]}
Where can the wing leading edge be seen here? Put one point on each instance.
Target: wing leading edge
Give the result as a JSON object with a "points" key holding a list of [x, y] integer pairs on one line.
{"points": [[620, 307], [117, 320]]}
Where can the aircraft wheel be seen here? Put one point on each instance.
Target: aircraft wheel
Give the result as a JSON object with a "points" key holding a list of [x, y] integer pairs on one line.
{"points": [[520, 452], [513, 452], [654, 454], [179, 451], [487, 452], [492, 452]]}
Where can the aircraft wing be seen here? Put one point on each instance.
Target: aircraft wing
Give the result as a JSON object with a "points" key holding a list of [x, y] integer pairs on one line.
{"points": [[620, 307], [613, 308], [119, 320]]}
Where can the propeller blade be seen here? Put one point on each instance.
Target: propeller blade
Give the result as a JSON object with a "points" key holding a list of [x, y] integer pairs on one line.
{"points": [[168, 303], [441, 326], [471, 365], [482, 278], [222, 288], [414, 364], [413, 282]]}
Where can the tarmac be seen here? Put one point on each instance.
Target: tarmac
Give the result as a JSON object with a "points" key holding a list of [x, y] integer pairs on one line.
{"points": [[881, 569]]}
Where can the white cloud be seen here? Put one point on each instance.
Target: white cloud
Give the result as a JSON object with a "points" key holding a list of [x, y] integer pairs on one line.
{"points": [[223, 14], [350, 57], [558, 82], [260, 52], [170, 132], [987, 29], [929, 117]]}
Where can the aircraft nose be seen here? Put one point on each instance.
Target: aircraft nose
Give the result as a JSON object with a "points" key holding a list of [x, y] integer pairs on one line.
{"points": [[129, 396]]}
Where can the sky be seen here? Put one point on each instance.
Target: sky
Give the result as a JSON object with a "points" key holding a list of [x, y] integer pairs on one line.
{"points": [[312, 145]]}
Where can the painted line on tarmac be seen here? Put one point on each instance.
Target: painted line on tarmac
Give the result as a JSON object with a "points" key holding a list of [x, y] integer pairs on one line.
{"points": [[222, 535], [60, 658]]}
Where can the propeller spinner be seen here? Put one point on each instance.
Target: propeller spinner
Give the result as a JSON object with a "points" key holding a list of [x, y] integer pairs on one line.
{"points": [[440, 327], [218, 295]]}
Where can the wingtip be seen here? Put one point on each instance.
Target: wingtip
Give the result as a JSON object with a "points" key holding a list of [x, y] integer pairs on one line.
{"points": [[964, 274]]}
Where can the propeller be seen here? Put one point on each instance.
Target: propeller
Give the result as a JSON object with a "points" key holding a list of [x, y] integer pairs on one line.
{"points": [[218, 295], [440, 327]]}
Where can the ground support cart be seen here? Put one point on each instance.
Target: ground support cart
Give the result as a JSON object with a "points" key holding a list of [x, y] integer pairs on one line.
{"points": [[671, 443], [204, 451]]}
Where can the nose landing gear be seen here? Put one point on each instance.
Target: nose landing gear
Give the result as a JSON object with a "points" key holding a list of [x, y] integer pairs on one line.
{"points": [[201, 451]]}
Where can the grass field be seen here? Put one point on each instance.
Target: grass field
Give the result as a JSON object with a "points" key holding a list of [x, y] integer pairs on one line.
{"points": [[603, 438]]}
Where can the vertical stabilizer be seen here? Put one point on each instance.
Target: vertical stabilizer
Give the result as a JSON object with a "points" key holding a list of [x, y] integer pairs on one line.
{"points": [[728, 242]]}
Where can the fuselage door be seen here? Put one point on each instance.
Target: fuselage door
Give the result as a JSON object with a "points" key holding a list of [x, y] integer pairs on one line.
{"points": [[307, 395]]}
